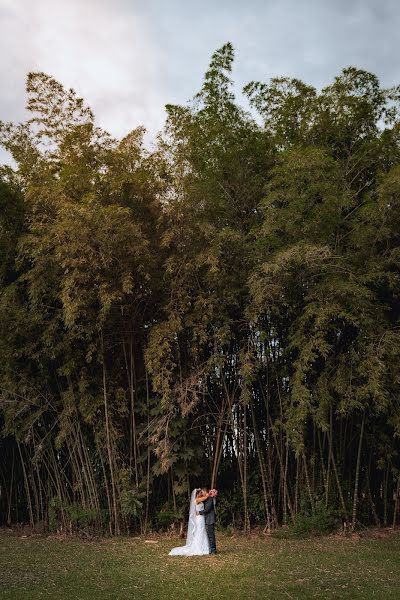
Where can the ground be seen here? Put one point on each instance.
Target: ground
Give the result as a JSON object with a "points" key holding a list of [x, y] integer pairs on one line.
{"points": [[259, 567]]}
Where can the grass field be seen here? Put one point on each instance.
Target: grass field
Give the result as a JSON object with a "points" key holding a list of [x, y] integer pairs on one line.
{"points": [[331, 567]]}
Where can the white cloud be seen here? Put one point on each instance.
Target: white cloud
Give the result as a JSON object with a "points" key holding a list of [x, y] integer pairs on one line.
{"points": [[99, 48]]}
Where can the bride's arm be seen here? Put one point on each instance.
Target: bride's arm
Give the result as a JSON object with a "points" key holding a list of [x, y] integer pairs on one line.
{"points": [[201, 498]]}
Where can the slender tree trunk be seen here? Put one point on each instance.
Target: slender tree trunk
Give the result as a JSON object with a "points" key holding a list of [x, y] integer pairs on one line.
{"points": [[333, 461], [27, 491], [219, 441], [396, 503], [110, 510], [148, 452], [262, 468], [373, 508], [109, 443], [385, 495], [357, 474], [245, 491], [308, 483], [11, 488], [131, 376], [325, 472]]}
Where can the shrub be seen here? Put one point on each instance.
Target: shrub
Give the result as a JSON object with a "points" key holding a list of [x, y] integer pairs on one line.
{"points": [[321, 521]]}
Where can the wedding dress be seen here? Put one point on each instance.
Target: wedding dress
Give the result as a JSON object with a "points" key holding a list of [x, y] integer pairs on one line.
{"points": [[196, 539]]}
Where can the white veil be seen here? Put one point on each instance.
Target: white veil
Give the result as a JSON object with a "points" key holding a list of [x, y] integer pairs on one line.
{"points": [[192, 518], [196, 539]]}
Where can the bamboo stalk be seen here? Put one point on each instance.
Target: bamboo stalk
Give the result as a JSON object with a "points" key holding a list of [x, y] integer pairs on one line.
{"points": [[357, 475], [27, 491]]}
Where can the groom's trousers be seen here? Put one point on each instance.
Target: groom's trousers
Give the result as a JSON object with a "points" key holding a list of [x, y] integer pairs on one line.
{"points": [[211, 537]]}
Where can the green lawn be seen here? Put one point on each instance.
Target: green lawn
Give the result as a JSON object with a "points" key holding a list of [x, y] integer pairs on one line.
{"points": [[331, 567]]}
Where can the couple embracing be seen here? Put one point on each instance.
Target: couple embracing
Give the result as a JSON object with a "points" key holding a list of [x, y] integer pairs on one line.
{"points": [[201, 525]]}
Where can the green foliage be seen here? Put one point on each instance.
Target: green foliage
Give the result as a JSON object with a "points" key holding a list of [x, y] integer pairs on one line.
{"points": [[131, 498], [321, 521], [78, 517], [54, 508], [214, 310], [167, 516]]}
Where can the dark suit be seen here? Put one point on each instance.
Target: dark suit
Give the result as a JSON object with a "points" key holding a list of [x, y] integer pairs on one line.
{"points": [[209, 517]]}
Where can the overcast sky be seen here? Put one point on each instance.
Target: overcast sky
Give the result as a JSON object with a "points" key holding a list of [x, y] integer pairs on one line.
{"points": [[128, 58]]}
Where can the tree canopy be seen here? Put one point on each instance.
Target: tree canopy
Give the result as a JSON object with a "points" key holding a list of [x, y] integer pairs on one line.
{"points": [[221, 308]]}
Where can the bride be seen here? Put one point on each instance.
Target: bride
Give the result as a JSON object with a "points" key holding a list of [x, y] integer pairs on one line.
{"points": [[196, 540]]}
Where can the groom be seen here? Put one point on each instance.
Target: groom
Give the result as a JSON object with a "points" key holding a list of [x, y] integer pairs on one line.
{"points": [[209, 517]]}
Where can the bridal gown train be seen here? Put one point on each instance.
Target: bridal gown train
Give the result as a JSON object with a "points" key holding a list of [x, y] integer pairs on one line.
{"points": [[197, 539]]}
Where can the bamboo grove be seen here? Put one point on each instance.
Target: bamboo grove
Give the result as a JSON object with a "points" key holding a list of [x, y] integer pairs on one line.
{"points": [[222, 308]]}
